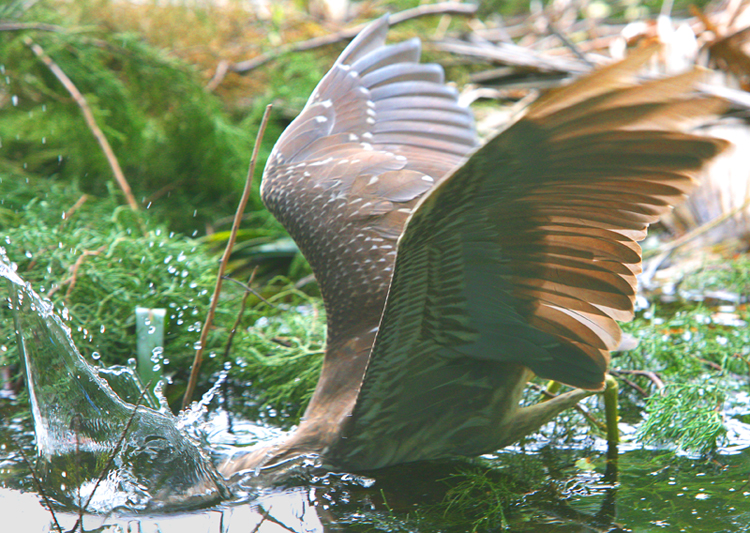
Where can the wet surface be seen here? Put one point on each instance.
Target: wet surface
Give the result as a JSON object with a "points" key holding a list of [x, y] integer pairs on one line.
{"points": [[537, 488], [569, 486]]}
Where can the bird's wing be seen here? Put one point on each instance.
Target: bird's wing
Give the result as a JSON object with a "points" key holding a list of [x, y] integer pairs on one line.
{"points": [[525, 255], [378, 131]]}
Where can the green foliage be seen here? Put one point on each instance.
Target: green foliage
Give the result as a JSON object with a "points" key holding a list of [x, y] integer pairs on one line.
{"points": [[176, 147], [481, 497], [281, 356], [685, 416], [701, 354], [684, 341], [732, 278], [101, 262], [618, 10]]}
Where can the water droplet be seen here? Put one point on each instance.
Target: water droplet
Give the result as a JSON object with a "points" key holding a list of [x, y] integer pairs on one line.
{"points": [[96, 356], [14, 100], [156, 354]]}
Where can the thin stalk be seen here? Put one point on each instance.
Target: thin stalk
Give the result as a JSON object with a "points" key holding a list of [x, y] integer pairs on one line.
{"points": [[223, 265]]}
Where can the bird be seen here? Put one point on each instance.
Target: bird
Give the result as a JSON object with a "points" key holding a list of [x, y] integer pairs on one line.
{"points": [[453, 271]]}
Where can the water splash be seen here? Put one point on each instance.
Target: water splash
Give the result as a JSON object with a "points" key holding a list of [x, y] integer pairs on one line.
{"points": [[79, 420]]}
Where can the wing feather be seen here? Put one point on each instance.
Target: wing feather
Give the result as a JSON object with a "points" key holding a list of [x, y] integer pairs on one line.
{"points": [[524, 255]]}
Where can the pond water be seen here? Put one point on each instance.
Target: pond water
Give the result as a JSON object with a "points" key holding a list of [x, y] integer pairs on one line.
{"points": [[157, 473], [652, 491]]}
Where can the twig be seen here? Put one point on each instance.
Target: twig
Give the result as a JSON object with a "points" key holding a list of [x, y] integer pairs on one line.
{"points": [[224, 261], [514, 55], [569, 44], [265, 513], [90, 121], [74, 271], [38, 483], [221, 72], [69, 212], [443, 8], [723, 370], [655, 379], [116, 449], [249, 289], [75, 425], [697, 232], [631, 384], [243, 305], [20, 26], [230, 340]]}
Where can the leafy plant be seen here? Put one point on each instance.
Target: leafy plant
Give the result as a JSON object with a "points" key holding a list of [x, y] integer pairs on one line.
{"points": [[685, 416]]}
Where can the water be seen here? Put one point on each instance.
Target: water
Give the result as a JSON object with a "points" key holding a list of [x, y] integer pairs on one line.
{"points": [[80, 423], [161, 480]]}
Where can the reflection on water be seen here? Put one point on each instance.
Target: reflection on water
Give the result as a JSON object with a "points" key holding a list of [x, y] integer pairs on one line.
{"points": [[655, 493], [78, 421]]}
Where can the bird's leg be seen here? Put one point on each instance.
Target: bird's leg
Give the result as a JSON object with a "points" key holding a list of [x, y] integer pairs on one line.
{"points": [[530, 418], [611, 416], [553, 388]]}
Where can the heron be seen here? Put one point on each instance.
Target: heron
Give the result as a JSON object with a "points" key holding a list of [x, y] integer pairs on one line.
{"points": [[454, 271]]}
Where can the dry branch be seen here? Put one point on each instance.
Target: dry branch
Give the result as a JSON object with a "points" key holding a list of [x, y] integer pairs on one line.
{"points": [[514, 55], [90, 121], [223, 265], [21, 26], [243, 67]]}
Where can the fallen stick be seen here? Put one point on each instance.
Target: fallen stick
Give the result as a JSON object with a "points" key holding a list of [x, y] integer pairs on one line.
{"points": [[243, 67], [90, 121]]}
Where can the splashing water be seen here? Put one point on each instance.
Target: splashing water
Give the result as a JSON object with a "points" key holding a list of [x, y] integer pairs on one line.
{"points": [[79, 421]]}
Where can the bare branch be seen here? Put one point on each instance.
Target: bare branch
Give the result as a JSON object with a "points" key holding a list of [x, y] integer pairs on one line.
{"points": [[443, 8], [223, 265], [21, 26], [90, 121]]}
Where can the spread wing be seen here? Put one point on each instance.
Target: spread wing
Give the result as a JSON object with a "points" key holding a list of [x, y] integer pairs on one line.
{"points": [[376, 134], [525, 255]]}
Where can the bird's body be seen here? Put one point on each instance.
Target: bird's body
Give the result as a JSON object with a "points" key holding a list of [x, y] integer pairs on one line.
{"points": [[451, 272]]}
